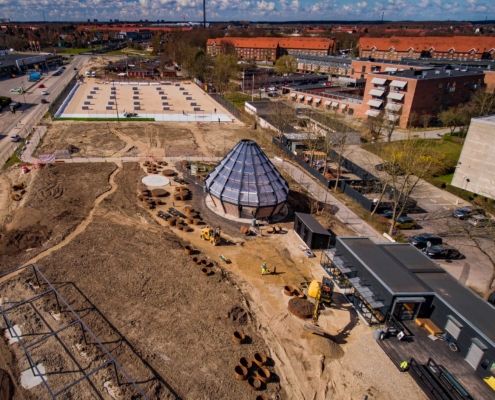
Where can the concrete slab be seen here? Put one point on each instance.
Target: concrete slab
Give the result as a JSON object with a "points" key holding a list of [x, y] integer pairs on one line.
{"points": [[155, 180], [31, 378], [12, 334]]}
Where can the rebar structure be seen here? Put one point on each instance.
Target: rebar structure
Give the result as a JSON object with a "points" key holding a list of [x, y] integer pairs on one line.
{"points": [[123, 378]]}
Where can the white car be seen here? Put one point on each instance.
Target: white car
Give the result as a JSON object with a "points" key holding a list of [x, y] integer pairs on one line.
{"points": [[45, 92]]}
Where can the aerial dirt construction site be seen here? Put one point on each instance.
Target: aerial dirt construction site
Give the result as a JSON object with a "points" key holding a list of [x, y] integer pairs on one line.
{"points": [[158, 260]]}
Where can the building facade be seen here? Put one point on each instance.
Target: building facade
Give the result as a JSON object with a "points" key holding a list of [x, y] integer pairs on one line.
{"points": [[409, 97], [269, 48], [333, 66], [436, 47], [475, 170]]}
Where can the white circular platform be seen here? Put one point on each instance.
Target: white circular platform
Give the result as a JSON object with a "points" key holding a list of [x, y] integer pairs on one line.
{"points": [[155, 180]]}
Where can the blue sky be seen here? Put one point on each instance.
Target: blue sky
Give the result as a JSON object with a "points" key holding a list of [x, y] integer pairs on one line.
{"points": [[78, 10]]}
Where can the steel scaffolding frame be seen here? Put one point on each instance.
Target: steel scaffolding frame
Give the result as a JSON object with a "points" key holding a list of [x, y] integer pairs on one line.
{"points": [[118, 369]]}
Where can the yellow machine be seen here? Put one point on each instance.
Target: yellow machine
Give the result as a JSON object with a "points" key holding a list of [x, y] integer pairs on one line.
{"points": [[322, 293], [213, 235]]}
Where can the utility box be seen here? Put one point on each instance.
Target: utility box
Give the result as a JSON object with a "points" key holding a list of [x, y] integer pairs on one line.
{"points": [[34, 76], [312, 232]]}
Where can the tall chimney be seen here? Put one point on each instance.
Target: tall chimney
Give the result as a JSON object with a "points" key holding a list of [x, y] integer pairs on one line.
{"points": [[204, 13]]}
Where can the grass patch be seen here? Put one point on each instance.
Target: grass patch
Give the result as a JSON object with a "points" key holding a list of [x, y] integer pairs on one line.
{"points": [[104, 119], [74, 51], [237, 98], [13, 160], [446, 150], [129, 52], [447, 179]]}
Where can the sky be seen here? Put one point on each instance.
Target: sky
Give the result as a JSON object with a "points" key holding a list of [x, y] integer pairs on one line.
{"points": [[256, 10]]}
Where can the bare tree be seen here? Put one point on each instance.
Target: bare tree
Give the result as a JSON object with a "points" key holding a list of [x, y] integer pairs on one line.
{"points": [[375, 126], [407, 162]]}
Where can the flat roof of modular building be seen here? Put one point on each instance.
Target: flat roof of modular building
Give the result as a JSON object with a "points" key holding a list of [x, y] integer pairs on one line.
{"points": [[388, 269], [490, 119], [312, 224], [432, 73], [404, 270], [473, 309]]}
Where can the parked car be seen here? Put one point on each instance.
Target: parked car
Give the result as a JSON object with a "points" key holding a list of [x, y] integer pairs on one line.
{"points": [[424, 240], [45, 92], [406, 222], [387, 213], [466, 212], [272, 94], [42, 86], [44, 101], [479, 220], [443, 252], [15, 138]]}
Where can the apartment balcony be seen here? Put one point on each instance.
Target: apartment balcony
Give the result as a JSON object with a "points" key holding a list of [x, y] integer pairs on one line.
{"points": [[393, 107]]}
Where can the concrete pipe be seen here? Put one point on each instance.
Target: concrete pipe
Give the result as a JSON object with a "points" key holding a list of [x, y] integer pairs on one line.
{"points": [[288, 290], [240, 373], [238, 337], [255, 383], [263, 374], [260, 359], [245, 362]]}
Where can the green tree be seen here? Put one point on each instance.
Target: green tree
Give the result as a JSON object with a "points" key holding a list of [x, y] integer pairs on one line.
{"points": [[286, 65], [224, 69]]}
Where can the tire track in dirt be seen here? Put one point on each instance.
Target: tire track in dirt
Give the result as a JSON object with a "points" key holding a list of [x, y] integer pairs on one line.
{"points": [[85, 223]]}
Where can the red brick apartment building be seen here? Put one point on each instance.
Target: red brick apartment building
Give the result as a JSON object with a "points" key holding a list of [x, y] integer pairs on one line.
{"points": [[437, 47], [270, 48], [361, 68], [408, 95]]}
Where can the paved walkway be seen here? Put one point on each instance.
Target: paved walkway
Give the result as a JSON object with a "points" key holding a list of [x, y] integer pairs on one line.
{"points": [[428, 196], [320, 193]]}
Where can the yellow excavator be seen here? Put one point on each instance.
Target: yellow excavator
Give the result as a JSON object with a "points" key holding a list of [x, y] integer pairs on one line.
{"points": [[212, 235], [321, 292]]}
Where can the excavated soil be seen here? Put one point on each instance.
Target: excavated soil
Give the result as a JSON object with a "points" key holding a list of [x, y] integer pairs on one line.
{"points": [[180, 320], [58, 200], [89, 139], [170, 139]]}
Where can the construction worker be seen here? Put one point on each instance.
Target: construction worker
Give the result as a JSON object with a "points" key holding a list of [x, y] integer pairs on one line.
{"points": [[404, 366], [264, 269]]}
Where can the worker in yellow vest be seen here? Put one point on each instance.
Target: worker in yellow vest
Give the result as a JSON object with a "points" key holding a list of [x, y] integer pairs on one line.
{"points": [[404, 366], [265, 270]]}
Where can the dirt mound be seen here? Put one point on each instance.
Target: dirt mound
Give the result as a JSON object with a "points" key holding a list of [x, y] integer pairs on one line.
{"points": [[238, 315], [301, 308]]}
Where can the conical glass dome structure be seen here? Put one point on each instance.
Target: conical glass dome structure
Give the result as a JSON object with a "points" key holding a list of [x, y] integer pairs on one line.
{"points": [[246, 184]]}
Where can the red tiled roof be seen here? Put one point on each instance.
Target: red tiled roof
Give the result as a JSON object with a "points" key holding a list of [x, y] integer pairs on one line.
{"points": [[460, 44], [296, 42], [131, 28]]}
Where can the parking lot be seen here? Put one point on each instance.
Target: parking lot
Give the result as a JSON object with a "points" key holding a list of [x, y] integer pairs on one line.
{"points": [[476, 269]]}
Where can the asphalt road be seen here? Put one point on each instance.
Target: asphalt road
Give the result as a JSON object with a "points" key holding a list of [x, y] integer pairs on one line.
{"points": [[32, 110]]}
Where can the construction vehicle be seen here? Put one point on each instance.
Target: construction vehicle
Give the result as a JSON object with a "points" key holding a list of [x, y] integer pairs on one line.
{"points": [[321, 292], [213, 235]]}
